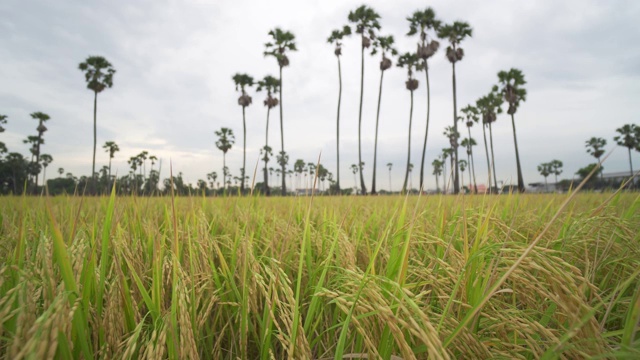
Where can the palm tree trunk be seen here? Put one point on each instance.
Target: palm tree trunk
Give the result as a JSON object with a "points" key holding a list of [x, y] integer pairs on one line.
{"points": [[426, 132], [546, 188], [473, 166], [444, 175], [456, 183], [95, 137], [389, 180], [486, 149], [284, 185], [515, 141], [244, 150], [493, 159], [109, 178], [224, 170], [406, 175], [630, 163], [338, 125], [267, 192], [375, 146], [363, 189]]}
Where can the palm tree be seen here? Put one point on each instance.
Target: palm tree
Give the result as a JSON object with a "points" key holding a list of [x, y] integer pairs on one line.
{"points": [[437, 171], [45, 159], [3, 120], [595, 147], [425, 20], [629, 138], [545, 169], [110, 147], [513, 92], [98, 73], [410, 60], [354, 170], [283, 41], [410, 177], [212, 176], [42, 118], [366, 22], [463, 166], [556, 169], [225, 141], [384, 44], [336, 38], [271, 85], [389, 165], [447, 153], [243, 81], [455, 33], [472, 116], [283, 159], [60, 171], [489, 106], [468, 143]]}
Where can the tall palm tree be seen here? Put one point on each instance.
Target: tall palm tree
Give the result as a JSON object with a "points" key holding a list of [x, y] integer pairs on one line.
{"points": [[366, 23], [462, 163], [447, 153], [469, 143], [384, 44], [282, 41], [354, 170], [42, 118], [271, 85], [98, 73], [455, 33], [472, 116], [225, 141], [595, 147], [512, 82], [629, 138], [545, 169], [437, 171], [410, 61], [556, 169], [336, 38], [243, 81], [111, 148], [389, 165], [423, 21], [212, 177], [45, 159], [489, 106], [283, 159]]}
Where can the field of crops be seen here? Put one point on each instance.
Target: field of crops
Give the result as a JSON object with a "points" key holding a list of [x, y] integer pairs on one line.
{"points": [[438, 277]]}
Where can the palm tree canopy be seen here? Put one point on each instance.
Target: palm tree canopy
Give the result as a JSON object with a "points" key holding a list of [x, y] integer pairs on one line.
{"points": [[384, 44], [489, 106], [437, 167], [366, 20], [556, 166], [389, 165], [472, 114], [628, 136], [595, 146], [268, 83], [98, 73], [463, 164], [422, 20], [242, 81], [46, 159], [40, 116], [466, 142], [111, 147], [226, 139], [455, 32], [512, 90], [337, 35], [411, 62], [282, 41], [3, 120]]}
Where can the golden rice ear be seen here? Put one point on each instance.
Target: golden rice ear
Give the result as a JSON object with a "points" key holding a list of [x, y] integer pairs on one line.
{"points": [[411, 84], [385, 64], [459, 54], [366, 42]]}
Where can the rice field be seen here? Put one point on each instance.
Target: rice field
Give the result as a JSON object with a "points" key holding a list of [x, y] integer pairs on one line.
{"points": [[437, 277]]}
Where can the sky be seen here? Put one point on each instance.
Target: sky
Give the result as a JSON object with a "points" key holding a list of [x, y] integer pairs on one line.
{"points": [[175, 59]]}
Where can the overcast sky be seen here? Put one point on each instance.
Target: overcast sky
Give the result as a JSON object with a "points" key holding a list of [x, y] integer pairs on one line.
{"points": [[175, 60]]}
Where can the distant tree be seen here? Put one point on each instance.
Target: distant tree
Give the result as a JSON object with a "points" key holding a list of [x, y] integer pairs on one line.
{"points": [[365, 20], [384, 44], [513, 91], [410, 61], [282, 41], [212, 177], [98, 73], [437, 171], [455, 33], [60, 171], [422, 21], [243, 81], [463, 166], [42, 118], [354, 170], [336, 38], [630, 138], [468, 143], [489, 106], [298, 167], [556, 168], [111, 148], [472, 115], [595, 147], [270, 85], [545, 169], [585, 171], [45, 160], [3, 120], [225, 141], [390, 165]]}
